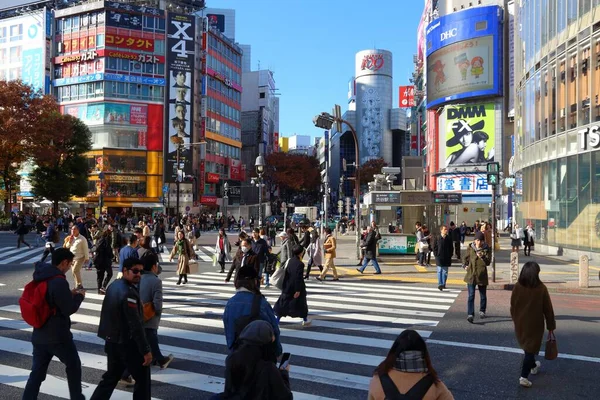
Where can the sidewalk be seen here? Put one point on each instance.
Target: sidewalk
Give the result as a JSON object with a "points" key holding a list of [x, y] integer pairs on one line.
{"points": [[558, 273]]}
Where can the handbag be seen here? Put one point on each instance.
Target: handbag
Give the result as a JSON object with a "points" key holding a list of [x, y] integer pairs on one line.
{"points": [[277, 277], [149, 311], [551, 352], [423, 247]]}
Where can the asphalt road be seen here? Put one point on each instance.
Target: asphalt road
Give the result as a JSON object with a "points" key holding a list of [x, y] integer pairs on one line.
{"points": [[354, 324]]}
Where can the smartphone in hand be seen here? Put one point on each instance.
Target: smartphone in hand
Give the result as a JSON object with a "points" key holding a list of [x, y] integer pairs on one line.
{"points": [[285, 360]]}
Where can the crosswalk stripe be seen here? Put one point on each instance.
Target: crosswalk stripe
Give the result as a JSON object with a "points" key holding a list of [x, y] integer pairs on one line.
{"points": [[204, 256], [22, 255], [13, 251]]}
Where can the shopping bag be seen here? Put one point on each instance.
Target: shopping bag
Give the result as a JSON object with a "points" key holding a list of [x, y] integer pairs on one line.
{"points": [[277, 278], [551, 352]]}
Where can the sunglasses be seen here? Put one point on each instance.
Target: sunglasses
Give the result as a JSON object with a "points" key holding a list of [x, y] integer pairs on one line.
{"points": [[136, 271]]}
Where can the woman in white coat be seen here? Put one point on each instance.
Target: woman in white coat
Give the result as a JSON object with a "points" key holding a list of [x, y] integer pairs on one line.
{"points": [[222, 251], [315, 253]]}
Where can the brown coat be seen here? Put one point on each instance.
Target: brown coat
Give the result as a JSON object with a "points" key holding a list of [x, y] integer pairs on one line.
{"points": [[183, 261], [329, 246], [528, 309], [404, 381]]}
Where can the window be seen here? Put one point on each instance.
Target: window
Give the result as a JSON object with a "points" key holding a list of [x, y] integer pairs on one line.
{"points": [[15, 54], [3, 59], [3, 35], [76, 22], [159, 46], [16, 32], [262, 95]]}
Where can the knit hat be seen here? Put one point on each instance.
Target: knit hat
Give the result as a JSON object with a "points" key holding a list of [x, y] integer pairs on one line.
{"points": [[258, 332], [479, 236], [247, 272], [283, 235]]}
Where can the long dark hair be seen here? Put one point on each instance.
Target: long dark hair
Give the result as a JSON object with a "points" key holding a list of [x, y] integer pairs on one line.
{"points": [[530, 275], [406, 341]]}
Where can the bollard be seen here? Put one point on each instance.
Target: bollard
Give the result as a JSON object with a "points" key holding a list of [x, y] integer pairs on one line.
{"points": [[514, 267], [584, 271]]}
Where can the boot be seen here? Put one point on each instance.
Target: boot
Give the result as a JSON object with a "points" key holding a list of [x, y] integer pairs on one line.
{"points": [[179, 281], [184, 279]]}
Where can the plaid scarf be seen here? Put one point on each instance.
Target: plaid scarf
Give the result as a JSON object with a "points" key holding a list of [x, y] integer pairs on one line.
{"points": [[411, 361]]}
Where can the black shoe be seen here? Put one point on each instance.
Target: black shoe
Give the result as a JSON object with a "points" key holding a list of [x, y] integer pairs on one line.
{"points": [[441, 287], [335, 279], [359, 270], [377, 273], [470, 319]]}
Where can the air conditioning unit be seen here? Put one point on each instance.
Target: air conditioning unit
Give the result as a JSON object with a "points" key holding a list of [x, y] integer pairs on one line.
{"points": [[585, 103], [562, 112]]}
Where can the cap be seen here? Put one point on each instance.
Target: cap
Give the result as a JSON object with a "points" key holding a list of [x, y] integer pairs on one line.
{"points": [[479, 236]]}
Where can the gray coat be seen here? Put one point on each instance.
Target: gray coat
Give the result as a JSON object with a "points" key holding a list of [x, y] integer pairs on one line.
{"points": [[285, 251], [151, 291]]}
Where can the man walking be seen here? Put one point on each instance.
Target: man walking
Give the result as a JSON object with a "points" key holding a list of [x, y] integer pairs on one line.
{"points": [[329, 247], [455, 235], [122, 327], [476, 260], [54, 338], [79, 247], [261, 249], [370, 250], [442, 250], [127, 252], [49, 237]]}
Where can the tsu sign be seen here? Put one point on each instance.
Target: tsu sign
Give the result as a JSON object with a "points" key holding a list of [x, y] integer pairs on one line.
{"points": [[589, 138]]}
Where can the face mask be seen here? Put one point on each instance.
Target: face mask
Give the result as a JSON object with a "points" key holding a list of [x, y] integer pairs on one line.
{"points": [[245, 249]]}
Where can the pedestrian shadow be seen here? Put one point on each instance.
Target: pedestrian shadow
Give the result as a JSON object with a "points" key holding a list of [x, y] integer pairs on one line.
{"points": [[577, 318], [491, 320]]}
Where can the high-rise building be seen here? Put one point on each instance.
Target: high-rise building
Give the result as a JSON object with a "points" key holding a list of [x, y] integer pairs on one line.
{"points": [[557, 114], [300, 144]]}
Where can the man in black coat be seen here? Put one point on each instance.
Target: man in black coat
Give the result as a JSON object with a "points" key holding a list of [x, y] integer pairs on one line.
{"points": [[260, 247], [455, 235], [54, 338], [370, 246], [442, 250]]}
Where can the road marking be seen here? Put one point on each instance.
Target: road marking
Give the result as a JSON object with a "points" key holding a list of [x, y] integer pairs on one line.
{"points": [[22, 255]]}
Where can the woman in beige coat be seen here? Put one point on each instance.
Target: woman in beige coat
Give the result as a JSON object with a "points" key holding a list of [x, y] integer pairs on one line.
{"points": [[407, 369], [184, 252], [530, 305]]}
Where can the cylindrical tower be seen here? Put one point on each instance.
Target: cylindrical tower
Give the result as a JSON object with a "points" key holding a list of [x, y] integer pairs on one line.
{"points": [[373, 104]]}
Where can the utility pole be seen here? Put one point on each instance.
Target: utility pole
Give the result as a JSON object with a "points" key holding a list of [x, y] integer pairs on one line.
{"points": [[493, 178]]}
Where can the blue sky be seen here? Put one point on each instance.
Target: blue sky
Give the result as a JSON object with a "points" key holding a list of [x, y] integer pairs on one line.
{"points": [[310, 46]]}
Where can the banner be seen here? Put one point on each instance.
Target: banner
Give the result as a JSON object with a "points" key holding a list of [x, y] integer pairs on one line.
{"points": [[470, 134], [406, 96], [235, 169], [128, 42], [181, 32]]}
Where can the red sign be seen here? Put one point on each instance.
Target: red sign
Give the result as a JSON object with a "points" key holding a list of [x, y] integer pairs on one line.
{"points": [[235, 169], [142, 138], [128, 42], [143, 58], [212, 177], [406, 96], [138, 115], [208, 200], [155, 127], [372, 62]]}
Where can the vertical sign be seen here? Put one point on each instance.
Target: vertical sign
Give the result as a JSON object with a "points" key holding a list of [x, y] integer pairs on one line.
{"points": [[181, 31], [406, 96]]}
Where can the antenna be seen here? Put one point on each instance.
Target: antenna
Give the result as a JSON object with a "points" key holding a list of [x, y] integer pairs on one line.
{"points": [[259, 65]]}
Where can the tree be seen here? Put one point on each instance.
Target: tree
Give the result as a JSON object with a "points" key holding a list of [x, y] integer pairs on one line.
{"points": [[371, 168], [21, 109], [59, 155], [293, 174]]}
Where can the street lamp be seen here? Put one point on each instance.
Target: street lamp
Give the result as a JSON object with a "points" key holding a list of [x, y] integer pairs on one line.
{"points": [[260, 170], [225, 201], [326, 121]]}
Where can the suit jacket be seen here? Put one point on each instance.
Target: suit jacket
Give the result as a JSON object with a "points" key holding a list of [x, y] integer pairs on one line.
{"points": [[151, 291], [329, 246]]}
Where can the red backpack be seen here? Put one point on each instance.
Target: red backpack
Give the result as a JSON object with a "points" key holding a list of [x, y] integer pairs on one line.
{"points": [[35, 309]]}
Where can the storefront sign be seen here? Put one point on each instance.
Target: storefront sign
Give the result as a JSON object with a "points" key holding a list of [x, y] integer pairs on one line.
{"points": [[124, 178], [85, 56], [228, 82], [139, 115], [129, 42], [449, 198], [386, 198], [589, 138], [130, 8], [235, 169], [473, 183], [208, 200], [135, 79], [213, 178], [406, 96], [397, 244], [416, 198], [143, 58]]}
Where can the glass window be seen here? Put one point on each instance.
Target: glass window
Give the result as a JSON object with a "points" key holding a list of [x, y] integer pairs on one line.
{"points": [[561, 100], [76, 23], [159, 46], [100, 40], [111, 63], [149, 22], [16, 32], [571, 11], [584, 87], [551, 19], [67, 25], [545, 18], [15, 54], [571, 91], [161, 24], [584, 6], [596, 81], [121, 189], [562, 15]]}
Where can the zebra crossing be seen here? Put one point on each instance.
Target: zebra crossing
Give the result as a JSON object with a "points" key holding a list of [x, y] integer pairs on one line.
{"points": [[353, 326]]}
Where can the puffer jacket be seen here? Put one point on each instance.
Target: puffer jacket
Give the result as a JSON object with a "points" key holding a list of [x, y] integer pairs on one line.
{"points": [[476, 267], [121, 316]]}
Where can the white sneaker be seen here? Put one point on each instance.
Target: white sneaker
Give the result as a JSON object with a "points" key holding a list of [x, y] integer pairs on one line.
{"points": [[525, 382], [307, 322], [536, 369], [481, 315]]}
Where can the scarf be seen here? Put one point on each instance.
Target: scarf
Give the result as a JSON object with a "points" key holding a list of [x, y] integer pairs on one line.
{"points": [[411, 361]]}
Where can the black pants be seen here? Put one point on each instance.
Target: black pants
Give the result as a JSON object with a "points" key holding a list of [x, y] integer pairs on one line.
{"points": [[42, 355], [222, 265], [101, 279], [47, 251], [309, 267], [121, 357], [527, 249], [528, 364], [152, 336], [457, 249], [21, 239]]}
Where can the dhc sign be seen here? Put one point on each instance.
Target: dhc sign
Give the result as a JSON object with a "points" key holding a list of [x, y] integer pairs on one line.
{"points": [[448, 34]]}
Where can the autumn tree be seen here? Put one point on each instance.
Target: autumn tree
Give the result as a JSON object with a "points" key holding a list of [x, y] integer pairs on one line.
{"points": [[371, 168], [294, 174], [61, 170], [21, 111]]}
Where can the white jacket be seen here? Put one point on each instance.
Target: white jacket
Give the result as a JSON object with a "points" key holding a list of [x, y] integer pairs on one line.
{"points": [[228, 258]]}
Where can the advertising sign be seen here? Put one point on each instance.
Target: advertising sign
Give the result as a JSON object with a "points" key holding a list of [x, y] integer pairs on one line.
{"points": [[235, 169], [126, 55], [397, 244], [212, 177], [469, 134], [138, 115], [216, 21], [129, 42], [123, 20], [109, 113], [181, 31], [406, 96], [208, 200], [464, 55], [32, 71], [130, 8], [469, 183]]}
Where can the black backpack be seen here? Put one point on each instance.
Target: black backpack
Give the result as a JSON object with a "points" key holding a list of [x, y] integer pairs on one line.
{"points": [[243, 321], [417, 392]]}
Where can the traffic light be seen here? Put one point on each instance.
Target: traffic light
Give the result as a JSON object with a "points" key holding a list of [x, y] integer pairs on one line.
{"points": [[493, 173]]}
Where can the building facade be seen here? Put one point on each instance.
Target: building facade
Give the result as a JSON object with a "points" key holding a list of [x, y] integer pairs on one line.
{"points": [[557, 114]]}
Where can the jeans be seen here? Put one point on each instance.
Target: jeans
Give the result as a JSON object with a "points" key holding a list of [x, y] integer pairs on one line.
{"points": [[375, 264], [471, 300], [121, 357], [442, 275], [152, 336], [420, 258], [42, 355], [261, 269], [528, 364]]}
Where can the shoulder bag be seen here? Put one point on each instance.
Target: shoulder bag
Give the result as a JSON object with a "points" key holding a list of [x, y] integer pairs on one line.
{"points": [[417, 392]]}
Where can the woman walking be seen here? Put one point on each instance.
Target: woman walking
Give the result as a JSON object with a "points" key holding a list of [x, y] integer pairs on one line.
{"points": [[516, 236], [103, 256], [407, 369], [292, 302], [222, 250], [530, 305], [315, 253], [528, 242], [183, 251]]}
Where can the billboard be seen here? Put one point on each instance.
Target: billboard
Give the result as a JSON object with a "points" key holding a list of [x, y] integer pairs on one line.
{"points": [[469, 134], [464, 55], [181, 31], [110, 113], [406, 96], [216, 21]]}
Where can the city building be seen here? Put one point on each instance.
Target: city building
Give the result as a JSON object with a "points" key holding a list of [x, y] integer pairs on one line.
{"points": [[300, 144], [283, 144], [556, 114], [466, 103]]}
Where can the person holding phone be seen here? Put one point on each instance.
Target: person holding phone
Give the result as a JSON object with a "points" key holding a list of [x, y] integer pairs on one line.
{"points": [[250, 372]]}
